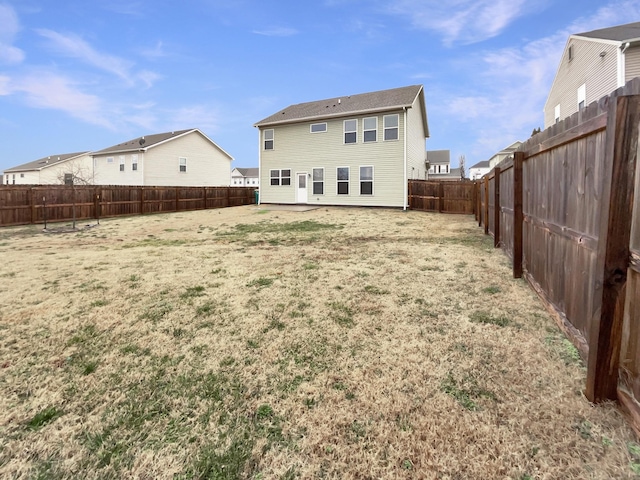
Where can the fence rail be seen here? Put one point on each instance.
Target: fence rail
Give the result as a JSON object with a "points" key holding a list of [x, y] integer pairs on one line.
{"points": [[566, 210], [31, 204], [443, 196]]}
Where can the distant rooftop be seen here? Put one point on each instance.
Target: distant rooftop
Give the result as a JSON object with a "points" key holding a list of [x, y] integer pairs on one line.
{"points": [[143, 142], [439, 157], [45, 162]]}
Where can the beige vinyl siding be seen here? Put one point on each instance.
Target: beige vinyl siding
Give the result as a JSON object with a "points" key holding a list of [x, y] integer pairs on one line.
{"points": [[80, 166], [632, 63], [207, 165], [416, 147], [297, 149], [110, 174], [598, 73]]}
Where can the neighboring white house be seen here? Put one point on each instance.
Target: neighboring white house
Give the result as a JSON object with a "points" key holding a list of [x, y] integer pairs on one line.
{"points": [[180, 158], [245, 177], [54, 169], [351, 150], [479, 170], [593, 65], [504, 153], [440, 166]]}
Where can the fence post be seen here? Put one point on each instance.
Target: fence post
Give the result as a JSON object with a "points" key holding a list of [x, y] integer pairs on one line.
{"points": [[518, 217], [605, 331], [486, 204], [496, 208]]}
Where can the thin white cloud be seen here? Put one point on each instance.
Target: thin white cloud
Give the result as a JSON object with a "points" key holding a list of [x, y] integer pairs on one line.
{"points": [[73, 46], [9, 28], [277, 32], [154, 52], [462, 21], [45, 89]]}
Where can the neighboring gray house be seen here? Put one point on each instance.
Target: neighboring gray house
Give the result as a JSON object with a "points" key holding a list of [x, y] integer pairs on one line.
{"points": [[440, 166], [180, 158], [54, 169], [351, 150], [479, 170], [592, 66], [245, 177]]}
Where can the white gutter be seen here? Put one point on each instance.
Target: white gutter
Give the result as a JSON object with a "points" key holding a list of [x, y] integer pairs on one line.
{"points": [[406, 180], [622, 63]]}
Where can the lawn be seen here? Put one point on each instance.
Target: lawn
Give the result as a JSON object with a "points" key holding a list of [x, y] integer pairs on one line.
{"points": [[246, 343]]}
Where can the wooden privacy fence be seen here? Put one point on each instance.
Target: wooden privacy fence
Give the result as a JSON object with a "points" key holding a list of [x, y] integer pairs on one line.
{"points": [[442, 196], [566, 210], [24, 204]]}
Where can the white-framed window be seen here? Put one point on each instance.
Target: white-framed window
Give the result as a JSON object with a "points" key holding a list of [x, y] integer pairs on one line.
{"points": [[134, 161], [109, 159], [343, 180], [556, 113], [14, 179], [350, 131], [268, 139], [280, 177], [182, 164], [318, 128], [370, 129], [582, 96], [318, 181], [570, 52], [121, 158], [366, 180], [391, 123], [22, 175]]}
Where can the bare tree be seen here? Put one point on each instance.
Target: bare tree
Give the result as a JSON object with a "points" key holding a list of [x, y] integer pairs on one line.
{"points": [[463, 173], [75, 173]]}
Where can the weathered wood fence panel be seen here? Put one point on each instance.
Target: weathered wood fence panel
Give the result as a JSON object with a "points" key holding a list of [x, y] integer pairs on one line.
{"points": [[443, 196], [569, 217], [31, 204]]}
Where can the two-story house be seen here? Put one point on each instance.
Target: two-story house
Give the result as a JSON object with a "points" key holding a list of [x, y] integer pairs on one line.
{"points": [[351, 150], [592, 66], [53, 169], [245, 177]]}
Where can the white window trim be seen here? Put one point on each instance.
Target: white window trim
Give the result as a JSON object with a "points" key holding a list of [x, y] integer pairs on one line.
{"points": [[181, 164], [109, 159], [345, 131], [384, 123], [122, 163], [373, 173], [134, 162], [279, 177], [556, 113], [582, 96], [313, 181], [375, 129], [348, 181], [318, 131]]}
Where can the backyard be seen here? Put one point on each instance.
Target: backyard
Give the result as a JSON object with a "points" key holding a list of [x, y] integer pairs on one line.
{"points": [[269, 344]]}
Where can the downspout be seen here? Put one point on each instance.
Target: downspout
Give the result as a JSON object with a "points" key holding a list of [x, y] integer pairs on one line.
{"points": [[406, 180], [259, 167], [622, 64]]}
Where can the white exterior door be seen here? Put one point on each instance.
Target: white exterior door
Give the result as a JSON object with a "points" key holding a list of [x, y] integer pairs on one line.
{"points": [[302, 188]]}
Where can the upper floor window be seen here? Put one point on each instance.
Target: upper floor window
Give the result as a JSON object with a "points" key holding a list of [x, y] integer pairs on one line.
{"points": [[370, 129], [109, 159], [268, 139], [556, 113], [121, 163], [391, 123], [350, 131], [182, 162], [134, 162], [318, 127], [570, 52]]}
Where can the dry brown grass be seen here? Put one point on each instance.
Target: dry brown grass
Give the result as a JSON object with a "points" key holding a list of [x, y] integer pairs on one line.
{"points": [[335, 343]]}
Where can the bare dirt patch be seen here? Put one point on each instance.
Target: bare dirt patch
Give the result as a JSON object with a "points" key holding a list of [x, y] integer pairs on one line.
{"points": [[243, 343]]}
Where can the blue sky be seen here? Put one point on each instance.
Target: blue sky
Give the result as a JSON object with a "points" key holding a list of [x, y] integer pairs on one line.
{"points": [[84, 75]]}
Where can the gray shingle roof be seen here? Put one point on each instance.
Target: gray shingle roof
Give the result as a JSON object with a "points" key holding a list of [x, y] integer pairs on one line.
{"points": [[439, 157], [140, 143], [620, 33], [482, 164], [249, 172], [45, 162], [382, 100]]}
